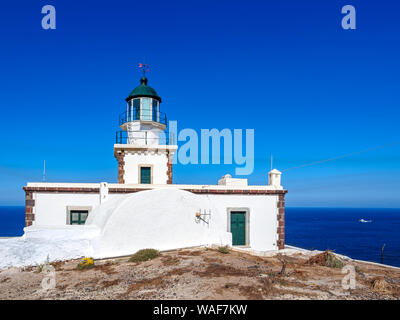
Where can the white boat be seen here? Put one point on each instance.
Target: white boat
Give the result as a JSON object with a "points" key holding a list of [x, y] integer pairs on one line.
{"points": [[364, 221]]}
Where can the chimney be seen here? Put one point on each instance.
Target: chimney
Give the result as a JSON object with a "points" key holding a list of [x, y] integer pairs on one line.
{"points": [[274, 179]]}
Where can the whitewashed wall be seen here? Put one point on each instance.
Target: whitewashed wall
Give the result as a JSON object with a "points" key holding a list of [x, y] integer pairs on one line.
{"points": [[163, 219], [159, 162], [51, 208], [262, 210]]}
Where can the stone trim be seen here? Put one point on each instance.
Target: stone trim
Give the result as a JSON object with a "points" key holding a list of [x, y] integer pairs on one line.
{"points": [[169, 173], [121, 167], [29, 208], [61, 190], [281, 193], [169, 169], [281, 222]]}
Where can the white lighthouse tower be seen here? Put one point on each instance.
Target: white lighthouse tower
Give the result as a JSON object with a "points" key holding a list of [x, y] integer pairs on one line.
{"points": [[143, 149]]}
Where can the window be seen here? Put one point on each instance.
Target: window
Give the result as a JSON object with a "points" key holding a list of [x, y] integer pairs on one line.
{"points": [[129, 110], [155, 110], [136, 109], [145, 175], [78, 216], [146, 109]]}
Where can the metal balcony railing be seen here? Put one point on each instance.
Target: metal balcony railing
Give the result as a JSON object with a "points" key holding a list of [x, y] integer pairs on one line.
{"points": [[144, 138], [159, 117]]}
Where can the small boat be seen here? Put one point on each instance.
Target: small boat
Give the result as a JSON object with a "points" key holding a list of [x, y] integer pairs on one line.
{"points": [[364, 221]]}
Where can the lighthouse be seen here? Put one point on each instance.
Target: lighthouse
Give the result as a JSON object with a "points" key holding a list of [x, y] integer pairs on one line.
{"points": [[144, 149], [144, 208]]}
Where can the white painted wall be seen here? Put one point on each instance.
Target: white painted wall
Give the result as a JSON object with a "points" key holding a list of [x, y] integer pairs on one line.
{"points": [[166, 219], [158, 160], [262, 216], [144, 134], [163, 218], [51, 208]]}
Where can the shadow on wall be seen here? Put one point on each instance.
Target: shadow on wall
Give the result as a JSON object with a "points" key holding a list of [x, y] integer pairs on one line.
{"points": [[161, 218]]}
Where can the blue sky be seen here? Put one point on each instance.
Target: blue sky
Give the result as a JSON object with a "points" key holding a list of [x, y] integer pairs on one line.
{"points": [[317, 91]]}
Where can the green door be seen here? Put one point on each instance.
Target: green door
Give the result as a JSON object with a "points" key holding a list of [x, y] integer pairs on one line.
{"points": [[145, 175], [238, 228]]}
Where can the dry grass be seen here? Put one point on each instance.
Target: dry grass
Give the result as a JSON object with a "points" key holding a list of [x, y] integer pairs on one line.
{"points": [[156, 282], [170, 260], [219, 270], [5, 280], [190, 253], [381, 285], [107, 268], [110, 283], [258, 292], [205, 274]]}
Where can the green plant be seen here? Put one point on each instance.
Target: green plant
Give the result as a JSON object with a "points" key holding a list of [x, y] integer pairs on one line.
{"points": [[144, 255], [333, 262], [224, 249]]}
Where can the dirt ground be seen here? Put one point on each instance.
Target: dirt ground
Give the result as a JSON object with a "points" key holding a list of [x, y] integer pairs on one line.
{"points": [[202, 273]]}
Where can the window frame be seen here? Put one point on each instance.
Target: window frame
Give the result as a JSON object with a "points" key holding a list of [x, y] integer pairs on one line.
{"points": [[70, 209]]}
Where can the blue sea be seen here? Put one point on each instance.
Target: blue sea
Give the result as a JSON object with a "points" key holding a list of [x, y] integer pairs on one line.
{"points": [[340, 230], [337, 229]]}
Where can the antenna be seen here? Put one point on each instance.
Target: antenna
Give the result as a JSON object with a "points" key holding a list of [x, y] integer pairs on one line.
{"points": [[272, 162], [44, 171], [344, 156]]}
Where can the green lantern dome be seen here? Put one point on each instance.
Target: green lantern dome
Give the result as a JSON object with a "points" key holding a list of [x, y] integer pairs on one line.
{"points": [[143, 91]]}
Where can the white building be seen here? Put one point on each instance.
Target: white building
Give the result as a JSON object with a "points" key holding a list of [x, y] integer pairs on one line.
{"points": [[145, 209]]}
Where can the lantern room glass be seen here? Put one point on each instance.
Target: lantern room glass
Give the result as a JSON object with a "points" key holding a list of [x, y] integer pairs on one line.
{"points": [[146, 109]]}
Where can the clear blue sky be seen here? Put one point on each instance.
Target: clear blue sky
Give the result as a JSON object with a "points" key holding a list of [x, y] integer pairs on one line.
{"points": [[319, 91]]}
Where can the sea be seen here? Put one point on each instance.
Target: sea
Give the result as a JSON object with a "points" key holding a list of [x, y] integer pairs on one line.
{"points": [[337, 229]]}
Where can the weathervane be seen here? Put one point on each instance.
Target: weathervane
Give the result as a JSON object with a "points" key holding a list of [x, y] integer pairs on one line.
{"points": [[144, 67]]}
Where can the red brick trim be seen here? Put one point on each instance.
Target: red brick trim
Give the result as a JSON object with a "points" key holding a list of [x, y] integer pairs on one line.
{"points": [[29, 209], [236, 191], [132, 190], [281, 222], [169, 173], [61, 190], [169, 168], [121, 167]]}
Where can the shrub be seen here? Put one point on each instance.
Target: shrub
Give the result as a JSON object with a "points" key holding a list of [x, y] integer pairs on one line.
{"points": [[86, 263], [144, 255], [223, 250], [326, 259], [333, 262]]}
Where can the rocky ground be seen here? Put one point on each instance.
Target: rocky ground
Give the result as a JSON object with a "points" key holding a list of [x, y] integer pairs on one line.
{"points": [[202, 273]]}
